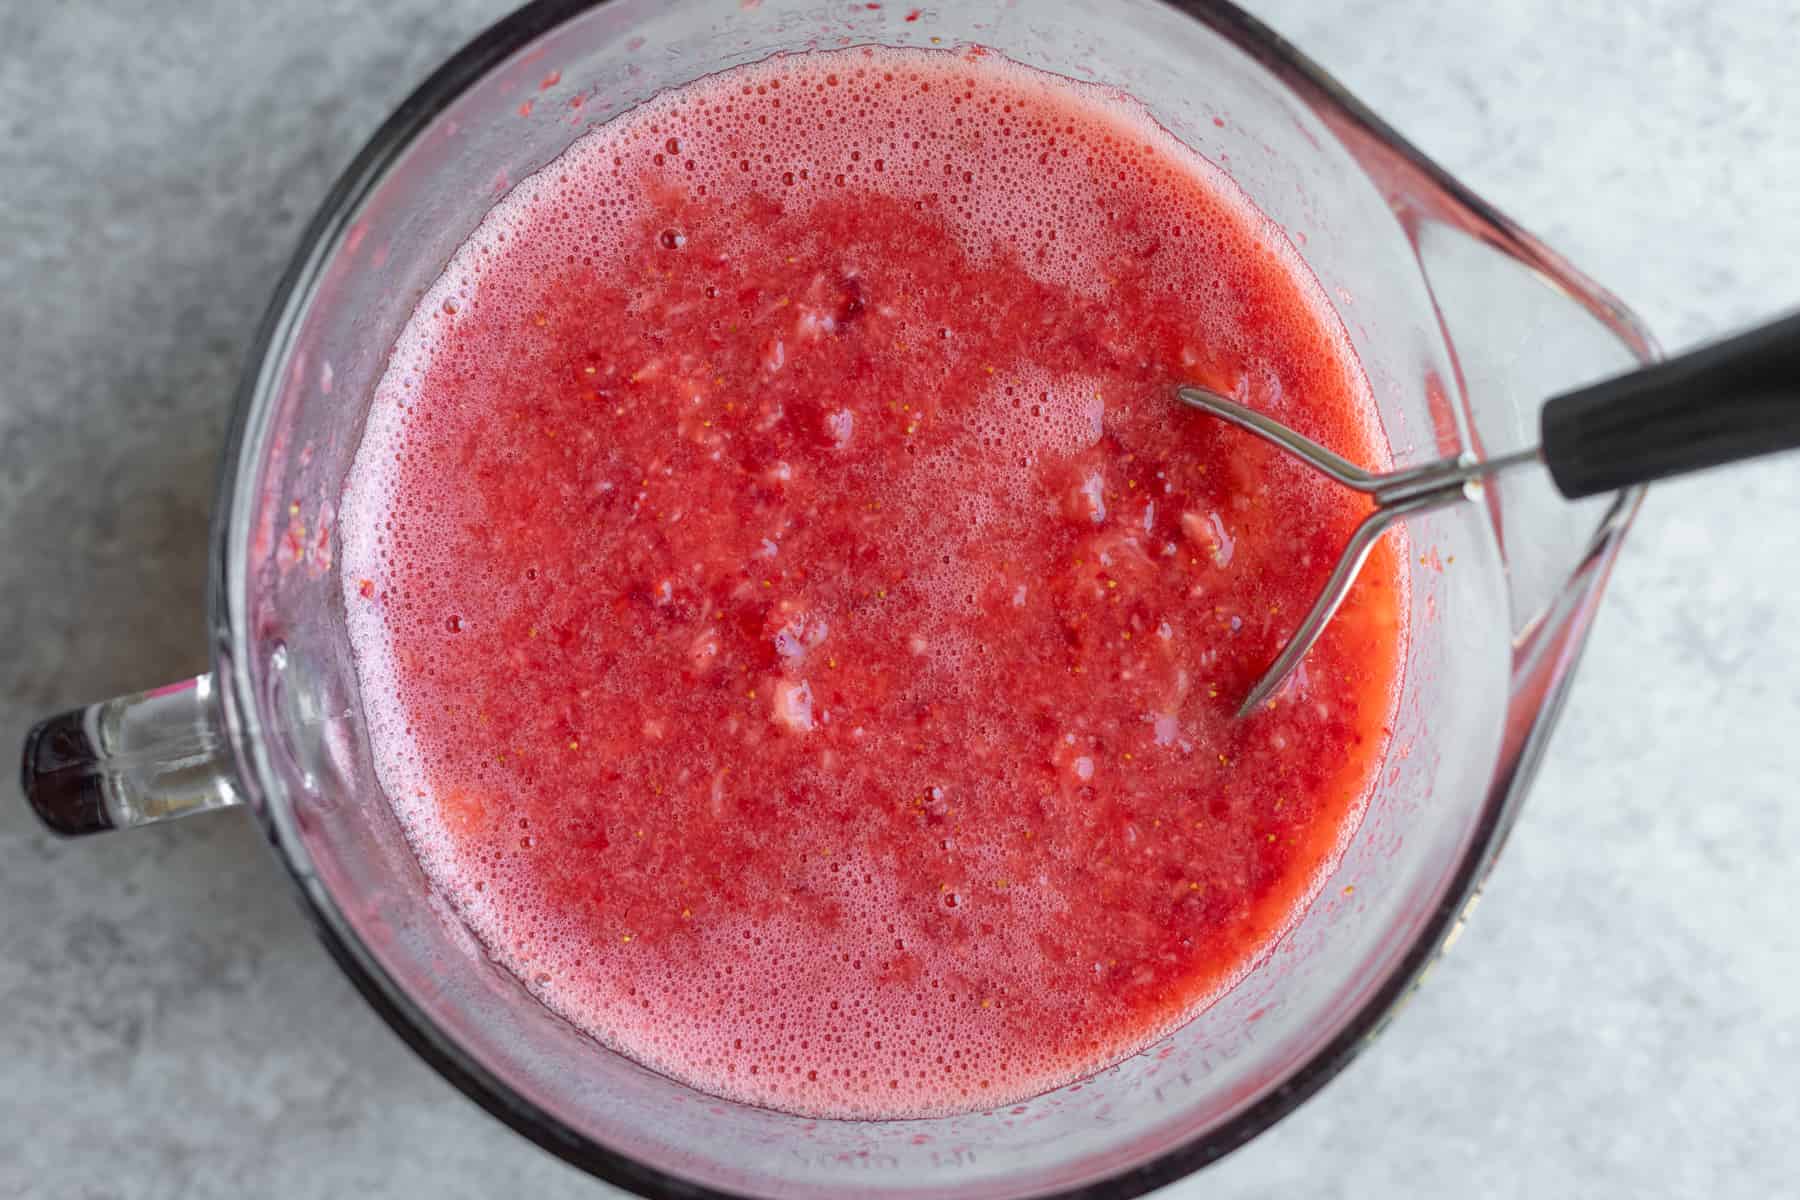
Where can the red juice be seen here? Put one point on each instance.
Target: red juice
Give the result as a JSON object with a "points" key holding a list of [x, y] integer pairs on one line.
{"points": [[800, 629]]}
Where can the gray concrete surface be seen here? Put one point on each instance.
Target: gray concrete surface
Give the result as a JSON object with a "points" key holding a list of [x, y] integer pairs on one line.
{"points": [[1620, 1020]]}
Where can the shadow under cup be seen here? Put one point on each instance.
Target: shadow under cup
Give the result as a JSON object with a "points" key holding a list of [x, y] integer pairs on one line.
{"points": [[1442, 299]]}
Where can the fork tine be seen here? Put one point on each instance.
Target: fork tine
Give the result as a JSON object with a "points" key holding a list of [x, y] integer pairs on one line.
{"points": [[1397, 495]]}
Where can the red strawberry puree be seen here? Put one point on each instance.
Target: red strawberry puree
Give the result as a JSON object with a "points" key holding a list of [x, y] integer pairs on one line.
{"points": [[799, 627]]}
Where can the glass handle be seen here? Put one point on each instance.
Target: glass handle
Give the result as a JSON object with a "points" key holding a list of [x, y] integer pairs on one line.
{"points": [[134, 760]]}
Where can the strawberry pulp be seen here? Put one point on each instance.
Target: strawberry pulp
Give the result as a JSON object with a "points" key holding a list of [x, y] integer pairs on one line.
{"points": [[800, 631]]}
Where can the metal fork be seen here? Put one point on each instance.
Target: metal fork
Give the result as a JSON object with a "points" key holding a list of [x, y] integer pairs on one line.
{"points": [[1726, 402]]}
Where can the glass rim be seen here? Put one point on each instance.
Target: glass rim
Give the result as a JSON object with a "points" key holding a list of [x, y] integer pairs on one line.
{"points": [[229, 624]]}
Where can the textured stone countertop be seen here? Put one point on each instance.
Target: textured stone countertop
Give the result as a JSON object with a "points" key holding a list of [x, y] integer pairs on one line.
{"points": [[1621, 1019]]}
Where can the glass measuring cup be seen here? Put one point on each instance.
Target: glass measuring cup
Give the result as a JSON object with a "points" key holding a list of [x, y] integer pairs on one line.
{"points": [[276, 724]]}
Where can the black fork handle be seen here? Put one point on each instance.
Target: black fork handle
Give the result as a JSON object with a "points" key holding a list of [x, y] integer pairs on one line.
{"points": [[1722, 403]]}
